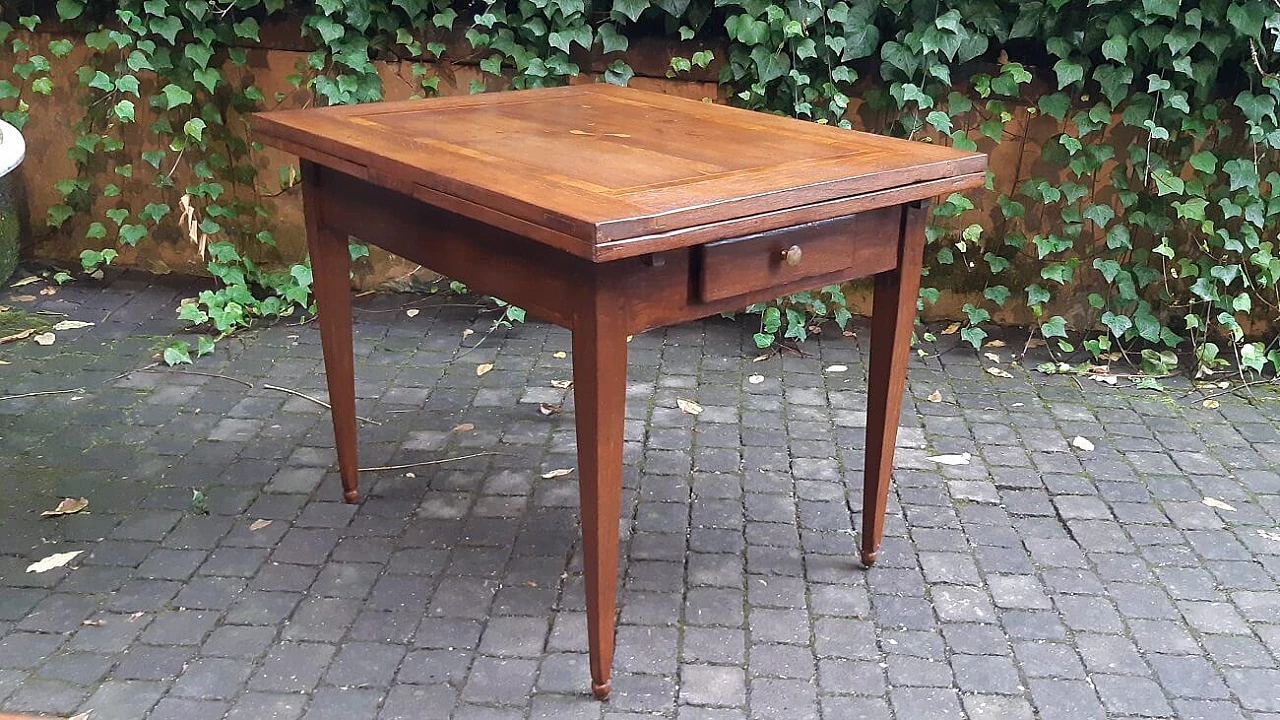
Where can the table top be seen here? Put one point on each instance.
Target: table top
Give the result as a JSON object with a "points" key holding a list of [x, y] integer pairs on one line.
{"points": [[592, 166]]}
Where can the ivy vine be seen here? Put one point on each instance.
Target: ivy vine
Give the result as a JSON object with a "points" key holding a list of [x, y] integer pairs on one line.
{"points": [[1153, 195]]}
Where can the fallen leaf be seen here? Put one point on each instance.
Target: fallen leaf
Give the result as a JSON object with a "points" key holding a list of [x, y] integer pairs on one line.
{"points": [[1273, 537], [951, 329], [1108, 379], [68, 506], [760, 358], [22, 298], [1211, 404], [468, 332], [548, 409], [1035, 343], [837, 368], [17, 336], [580, 132], [998, 372], [25, 281], [617, 135], [71, 325], [1216, 503], [45, 338], [464, 427], [961, 459], [556, 473], [935, 397], [55, 560], [562, 384], [5, 362], [257, 525], [483, 368], [136, 615], [559, 355], [995, 344], [1099, 369], [82, 716], [1082, 443], [93, 623], [849, 333], [629, 337], [755, 379], [1017, 405], [410, 475], [689, 406], [992, 357], [47, 291], [413, 312]]}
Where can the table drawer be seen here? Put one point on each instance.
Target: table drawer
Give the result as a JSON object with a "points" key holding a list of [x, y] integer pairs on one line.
{"points": [[857, 245]]}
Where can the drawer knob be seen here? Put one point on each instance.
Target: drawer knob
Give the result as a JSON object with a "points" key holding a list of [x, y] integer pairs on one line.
{"points": [[792, 255]]}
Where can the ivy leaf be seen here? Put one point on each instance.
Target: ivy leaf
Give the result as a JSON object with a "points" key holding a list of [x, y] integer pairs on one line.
{"points": [[194, 128], [1058, 272], [130, 234], [1164, 8], [153, 157], [998, 294], [1117, 324], [1109, 268], [247, 29], [1115, 81], [611, 40], [1116, 48], [167, 27], [1204, 161], [175, 96], [1256, 107], [1099, 214], [1068, 72], [208, 77], [178, 353], [1055, 105], [124, 111], [973, 335], [770, 65], [69, 9], [1243, 173], [631, 9], [1055, 326]]}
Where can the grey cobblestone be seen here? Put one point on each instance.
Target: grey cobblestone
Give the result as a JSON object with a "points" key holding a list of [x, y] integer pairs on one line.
{"points": [[1037, 582]]}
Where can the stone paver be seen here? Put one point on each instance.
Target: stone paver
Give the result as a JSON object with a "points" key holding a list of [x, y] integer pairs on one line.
{"points": [[1037, 581]]}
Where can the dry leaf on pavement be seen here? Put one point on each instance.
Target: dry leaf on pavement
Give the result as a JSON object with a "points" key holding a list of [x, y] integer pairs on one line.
{"points": [[548, 408], [17, 336], [257, 525], [689, 406], [562, 384], [935, 397], [71, 325], [1082, 443], [68, 506], [994, 344], [961, 459], [46, 338], [55, 560], [559, 355], [556, 473], [951, 329], [412, 312], [998, 372], [464, 427], [755, 379], [1216, 503], [483, 368], [26, 281], [992, 357], [837, 368], [1211, 404]]}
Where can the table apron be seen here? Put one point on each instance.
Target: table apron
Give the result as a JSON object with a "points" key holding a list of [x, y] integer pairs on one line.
{"points": [[653, 290]]}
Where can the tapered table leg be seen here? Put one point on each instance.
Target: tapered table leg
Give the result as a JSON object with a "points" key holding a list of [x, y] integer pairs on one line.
{"points": [[599, 389], [892, 320], [331, 283]]}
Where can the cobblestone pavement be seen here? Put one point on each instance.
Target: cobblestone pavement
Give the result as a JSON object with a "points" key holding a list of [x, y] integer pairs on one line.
{"points": [[1037, 581]]}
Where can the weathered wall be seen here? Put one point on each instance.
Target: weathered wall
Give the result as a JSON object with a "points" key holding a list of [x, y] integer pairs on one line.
{"points": [[50, 132]]}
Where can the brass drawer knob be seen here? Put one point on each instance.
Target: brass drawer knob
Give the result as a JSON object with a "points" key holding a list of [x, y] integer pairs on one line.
{"points": [[792, 255]]}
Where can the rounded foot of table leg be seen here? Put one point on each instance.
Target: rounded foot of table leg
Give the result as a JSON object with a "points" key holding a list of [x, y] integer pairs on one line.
{"points": [[601, 690], [869, 558], [351, 496]]}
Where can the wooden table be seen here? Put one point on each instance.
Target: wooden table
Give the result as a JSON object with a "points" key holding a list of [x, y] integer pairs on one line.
{"points": [[610, 211]]}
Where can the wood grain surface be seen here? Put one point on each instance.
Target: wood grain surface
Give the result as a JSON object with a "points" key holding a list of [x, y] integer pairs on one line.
{"points": [[592, 165]]}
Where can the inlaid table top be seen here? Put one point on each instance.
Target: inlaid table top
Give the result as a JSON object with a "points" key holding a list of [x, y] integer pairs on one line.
{"points": [[605, 172]]}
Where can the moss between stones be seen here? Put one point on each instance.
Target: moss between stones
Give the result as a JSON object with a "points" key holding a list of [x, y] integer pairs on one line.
{"points": [[8, 243], [15, 321]]}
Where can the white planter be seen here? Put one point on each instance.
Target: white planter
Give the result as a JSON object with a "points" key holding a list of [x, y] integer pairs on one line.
{"points": [[12, 149]]}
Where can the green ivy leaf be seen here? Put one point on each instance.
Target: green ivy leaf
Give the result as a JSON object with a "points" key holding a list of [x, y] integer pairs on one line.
{"points": [[69, 9], [1068, 72]]}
